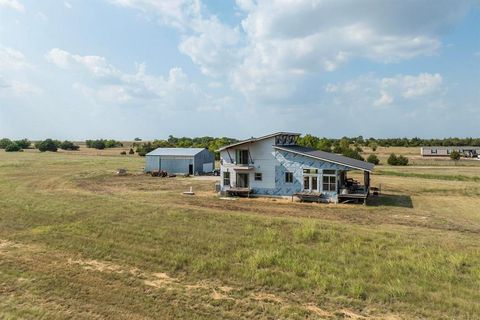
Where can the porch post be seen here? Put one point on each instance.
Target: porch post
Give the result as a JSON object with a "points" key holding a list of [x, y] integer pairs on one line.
{"points": [[366, 178]]}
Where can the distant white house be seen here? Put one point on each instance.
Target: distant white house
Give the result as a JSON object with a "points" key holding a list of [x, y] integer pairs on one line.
{"points": [[274, 165], [180, 160], [470, 152]]}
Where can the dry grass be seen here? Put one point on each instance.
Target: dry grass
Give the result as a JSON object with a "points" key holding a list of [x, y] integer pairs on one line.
{"points": [[77, 241]]}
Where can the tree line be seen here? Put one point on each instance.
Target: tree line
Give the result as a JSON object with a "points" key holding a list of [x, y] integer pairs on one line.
{"points": [[328, 144], [210, 143]]}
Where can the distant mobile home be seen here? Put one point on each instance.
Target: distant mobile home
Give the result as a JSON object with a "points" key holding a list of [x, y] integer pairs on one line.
{"points": [[470, 152], [180, 160]]}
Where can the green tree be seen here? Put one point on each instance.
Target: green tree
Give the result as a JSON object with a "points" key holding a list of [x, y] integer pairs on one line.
{"points": [[47, 145], [455, 156], [4, 143], [351, 153], [24, 143], [68, 145], [373, 159], [13, 147]]}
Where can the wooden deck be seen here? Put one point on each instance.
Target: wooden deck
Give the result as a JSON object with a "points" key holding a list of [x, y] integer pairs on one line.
{"points": [[239, 192], [309, 196], [355, 196]]}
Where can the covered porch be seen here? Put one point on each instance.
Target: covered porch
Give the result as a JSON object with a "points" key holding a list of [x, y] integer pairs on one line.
{"points": [[352, 190]]}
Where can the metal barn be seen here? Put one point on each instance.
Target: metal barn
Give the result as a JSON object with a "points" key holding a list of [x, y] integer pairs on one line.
{"points": [[180, 160]]}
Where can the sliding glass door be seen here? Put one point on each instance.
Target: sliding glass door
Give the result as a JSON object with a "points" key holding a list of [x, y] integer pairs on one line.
{"points": [[310, 180]]}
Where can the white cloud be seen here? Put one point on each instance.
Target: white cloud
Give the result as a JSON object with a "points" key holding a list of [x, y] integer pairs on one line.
{"points": [[113, 86], [281, 42], [67, 4], [400, 90], [96, 65], [13, 4], [176, 13], [17, 88], [12, 59]]}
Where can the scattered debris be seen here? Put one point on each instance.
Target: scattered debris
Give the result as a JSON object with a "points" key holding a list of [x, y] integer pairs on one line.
{"points": [[189, 193], [228, 198], [121, 172], [161, 174]]}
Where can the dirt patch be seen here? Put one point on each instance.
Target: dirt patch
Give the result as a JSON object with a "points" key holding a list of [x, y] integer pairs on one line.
{"points": [[319, 312], [220, 296], [97, 265], [348, 314], [160, 280], [267, 297], [5, 244]]}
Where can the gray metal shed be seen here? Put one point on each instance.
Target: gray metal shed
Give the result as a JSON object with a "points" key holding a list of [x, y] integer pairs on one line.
{"points": [[180, 160]]}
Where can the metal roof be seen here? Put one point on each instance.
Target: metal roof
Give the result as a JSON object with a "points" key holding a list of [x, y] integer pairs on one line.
{"points": [[258, 139], [329, 157], [179, 152]]}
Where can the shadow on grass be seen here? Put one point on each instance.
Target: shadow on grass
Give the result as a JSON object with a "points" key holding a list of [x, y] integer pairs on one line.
{"points": [[391, 200]]}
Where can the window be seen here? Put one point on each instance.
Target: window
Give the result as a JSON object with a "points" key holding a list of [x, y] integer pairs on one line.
{"points": [[241, 156], [329, 172], [288, 177], [329, 183], [226, 178], [258, 176], [310, 171]]}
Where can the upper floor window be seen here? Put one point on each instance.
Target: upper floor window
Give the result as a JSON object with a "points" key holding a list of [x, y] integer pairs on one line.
{"points": [[241, 156], [258, 176]]}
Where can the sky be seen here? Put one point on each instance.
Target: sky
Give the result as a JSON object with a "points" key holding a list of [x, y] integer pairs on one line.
{"points": [[85, 69]]}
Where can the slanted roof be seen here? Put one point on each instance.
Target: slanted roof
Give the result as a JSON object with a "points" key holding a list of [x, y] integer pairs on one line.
{"points": [[179, 152], [259, 138], [329, 157]]}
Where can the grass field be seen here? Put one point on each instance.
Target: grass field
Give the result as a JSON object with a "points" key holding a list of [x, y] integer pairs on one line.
{"points": [[77, 241]]}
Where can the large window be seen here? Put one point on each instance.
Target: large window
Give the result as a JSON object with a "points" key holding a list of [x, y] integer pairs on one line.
{"points": [[288, 177], [258, 176], [241, 156], [226, 178], [329, 180]]}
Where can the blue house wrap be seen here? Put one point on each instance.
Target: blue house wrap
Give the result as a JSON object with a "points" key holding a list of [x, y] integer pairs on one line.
{"points": [[274, 165]]}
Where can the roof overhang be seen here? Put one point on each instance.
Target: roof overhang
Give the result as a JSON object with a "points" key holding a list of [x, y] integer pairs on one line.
{"points": [[320, 158], [258, 139]]}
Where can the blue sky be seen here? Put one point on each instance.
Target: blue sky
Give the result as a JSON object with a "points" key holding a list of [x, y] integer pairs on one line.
{"points": [[149, 68]]}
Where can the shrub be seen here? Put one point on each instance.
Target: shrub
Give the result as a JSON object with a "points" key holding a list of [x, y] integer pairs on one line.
{"points": [[24, 143], [102, 144], [68, 145], [393, 160], [455, 155], [373, 159], [47, 145], [4, 143], [402, 161], [123, 153], [351, 153], [13, 147], [112, 143], [145, 148], [131, 151]]}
